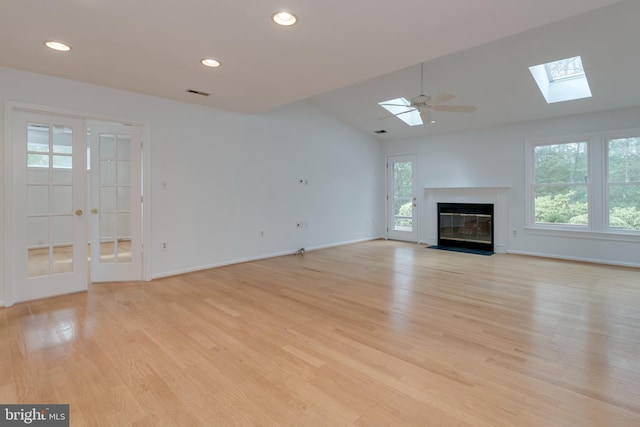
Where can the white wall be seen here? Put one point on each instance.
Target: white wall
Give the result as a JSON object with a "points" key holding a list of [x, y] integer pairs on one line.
{"points": [[481, 162], [229, 176]]}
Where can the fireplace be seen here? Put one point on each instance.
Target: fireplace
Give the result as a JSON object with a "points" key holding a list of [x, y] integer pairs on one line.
{"points": [[466, 225]]}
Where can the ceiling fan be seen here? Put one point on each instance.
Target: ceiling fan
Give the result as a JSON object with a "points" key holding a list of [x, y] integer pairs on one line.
{"points": [[423, 104]]}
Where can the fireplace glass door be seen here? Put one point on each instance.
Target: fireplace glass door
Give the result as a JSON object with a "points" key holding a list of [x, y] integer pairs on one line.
{"points": [[465, 225]]}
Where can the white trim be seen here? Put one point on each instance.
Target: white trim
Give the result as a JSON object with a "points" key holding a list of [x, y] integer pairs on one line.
{"points": [[257, 258], [8, 211], [579, 259], [63, 112], [147, 240], [630, 236], [474, 187]]}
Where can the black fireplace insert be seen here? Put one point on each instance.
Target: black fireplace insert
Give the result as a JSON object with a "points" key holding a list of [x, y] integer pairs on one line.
{"points": [[466, 225]]}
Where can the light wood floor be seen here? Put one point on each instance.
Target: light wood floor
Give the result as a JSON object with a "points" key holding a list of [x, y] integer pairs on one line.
{"points": [[40, 263], [373, 334]]}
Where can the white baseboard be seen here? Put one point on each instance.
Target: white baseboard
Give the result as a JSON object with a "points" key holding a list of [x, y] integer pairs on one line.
{"points": [[218, 264], [579, 259], [256, 258], [333, 245]]}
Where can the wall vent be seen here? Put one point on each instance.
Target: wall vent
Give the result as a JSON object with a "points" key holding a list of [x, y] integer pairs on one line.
{"points": [[197, 92]]}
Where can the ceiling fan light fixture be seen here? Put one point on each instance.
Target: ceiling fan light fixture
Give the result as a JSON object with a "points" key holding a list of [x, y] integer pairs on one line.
{"points": [[210, 62], [59, 46], [286, 19]]}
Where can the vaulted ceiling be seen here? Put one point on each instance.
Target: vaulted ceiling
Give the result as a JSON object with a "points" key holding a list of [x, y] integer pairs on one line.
{"points": [[343, 56]]}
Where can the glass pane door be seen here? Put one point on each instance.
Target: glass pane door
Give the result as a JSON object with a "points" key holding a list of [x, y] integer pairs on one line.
{"points": [[116, 203], [402, 200], [49, 199]]}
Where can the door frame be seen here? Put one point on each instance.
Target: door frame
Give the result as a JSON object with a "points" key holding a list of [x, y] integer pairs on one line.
{"points": [[10, 216], [389, 197]]}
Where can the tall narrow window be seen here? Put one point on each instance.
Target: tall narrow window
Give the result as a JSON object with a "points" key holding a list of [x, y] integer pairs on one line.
{"points": [[623, 183], [561, 183]]}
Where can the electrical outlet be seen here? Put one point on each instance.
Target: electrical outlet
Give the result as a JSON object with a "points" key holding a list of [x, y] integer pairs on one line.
{"points": [[261, 234], [515, 233], [164, 246], [299, 224]]}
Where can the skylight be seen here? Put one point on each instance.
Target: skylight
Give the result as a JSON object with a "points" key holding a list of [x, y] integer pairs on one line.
{"points": [[562, 80], [564, 69], [401, 105]]}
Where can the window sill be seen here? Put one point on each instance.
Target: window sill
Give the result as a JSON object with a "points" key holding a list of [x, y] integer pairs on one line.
{"points": [[584, 233]]}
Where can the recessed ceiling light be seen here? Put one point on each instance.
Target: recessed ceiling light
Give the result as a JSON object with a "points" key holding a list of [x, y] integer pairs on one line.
{"points": [[208, 62], [57, 46], [284, 18]]}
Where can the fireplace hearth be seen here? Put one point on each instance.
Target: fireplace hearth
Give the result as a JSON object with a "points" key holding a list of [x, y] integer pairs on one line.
{"points": [[466, 225]]}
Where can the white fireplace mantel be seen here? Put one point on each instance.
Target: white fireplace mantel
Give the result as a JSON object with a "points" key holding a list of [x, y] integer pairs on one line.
{"points": [[496, 195]]}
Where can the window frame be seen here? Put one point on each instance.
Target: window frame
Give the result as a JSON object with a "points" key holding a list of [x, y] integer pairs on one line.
{"points": [[606, 138], [530, 183], [597, 188]]}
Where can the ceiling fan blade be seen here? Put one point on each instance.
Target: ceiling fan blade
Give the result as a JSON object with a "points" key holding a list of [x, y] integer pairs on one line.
{"points": [[455, 108], [393, 105], [426, 116], [405, 112], [439, 99], [394, 115]]}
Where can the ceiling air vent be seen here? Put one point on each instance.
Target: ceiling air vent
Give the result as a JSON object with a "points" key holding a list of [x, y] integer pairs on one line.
{"points": [[380, 131], [197, 92]]}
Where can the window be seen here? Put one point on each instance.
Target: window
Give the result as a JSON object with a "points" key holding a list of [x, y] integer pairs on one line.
{"points": [[562, 80], [560, 183], [585, 184], [623, 182]]}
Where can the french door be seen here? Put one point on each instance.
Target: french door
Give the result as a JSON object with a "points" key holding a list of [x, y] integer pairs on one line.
{"points": [[61, 204], [49, 198], [402, 198], [116, 204]]}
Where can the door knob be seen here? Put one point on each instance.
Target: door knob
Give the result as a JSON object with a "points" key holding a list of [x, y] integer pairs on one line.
{"points": [[94, 211], [79, 212]]}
